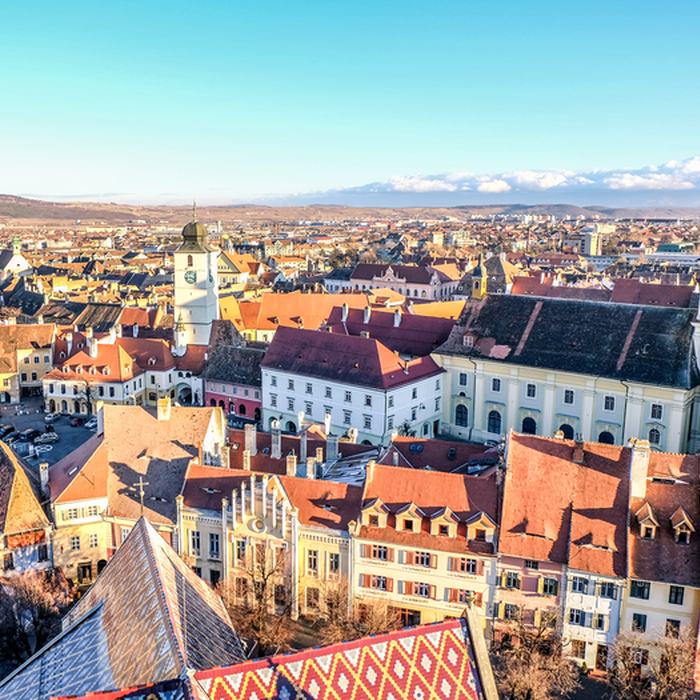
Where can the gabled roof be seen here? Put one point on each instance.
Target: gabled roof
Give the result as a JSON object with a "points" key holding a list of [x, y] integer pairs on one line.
{"points": [[20, 510], [347, 359], [430, 661], [439, 455], [146, 619], [635, 343]]}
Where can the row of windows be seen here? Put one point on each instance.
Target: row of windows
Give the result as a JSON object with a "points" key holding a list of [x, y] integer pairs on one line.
{"points": [[642, 589], [639, 624], [214, 544], [93, 541], [36, 359], [312, 562], [8, 562], [420, 589], [423, 559], [75, 513], [234, 390]]}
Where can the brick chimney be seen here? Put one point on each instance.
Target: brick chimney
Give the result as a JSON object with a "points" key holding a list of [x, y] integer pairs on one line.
{"points": [[578, 450], [319, 454], [246, 460], [251, 438], [639, 467], [311, 468], [163, 408]]}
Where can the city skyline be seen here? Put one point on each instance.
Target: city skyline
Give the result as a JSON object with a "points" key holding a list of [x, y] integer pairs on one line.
{"points": [[278, 103]]}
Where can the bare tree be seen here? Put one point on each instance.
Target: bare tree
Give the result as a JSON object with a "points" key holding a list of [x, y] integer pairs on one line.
{"points": [[31, 607], [529, 663], [258, 599], [653, 668], [347, 620]]}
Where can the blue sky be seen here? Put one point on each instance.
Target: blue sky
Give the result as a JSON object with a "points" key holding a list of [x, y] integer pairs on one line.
{"points": [[234, 100]]}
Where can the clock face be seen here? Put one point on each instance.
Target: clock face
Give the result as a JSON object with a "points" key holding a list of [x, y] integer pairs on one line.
{"points": [[190, 276]]}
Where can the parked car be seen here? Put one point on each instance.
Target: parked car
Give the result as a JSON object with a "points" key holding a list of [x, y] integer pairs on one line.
{"points": [[5, 430], [75, 421], [51, 417], [11, 437], [46, 439], [92, 423], [29, 434]]}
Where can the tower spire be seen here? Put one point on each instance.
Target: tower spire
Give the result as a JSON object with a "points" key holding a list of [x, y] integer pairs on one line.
{"points": [[194, 211]]}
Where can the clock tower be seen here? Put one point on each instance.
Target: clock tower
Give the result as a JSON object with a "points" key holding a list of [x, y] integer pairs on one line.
{"points": [[196, 284]]}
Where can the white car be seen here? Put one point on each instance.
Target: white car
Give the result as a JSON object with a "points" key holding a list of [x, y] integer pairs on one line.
{"points": [[92, 423], [46, 439], [51, 417]]}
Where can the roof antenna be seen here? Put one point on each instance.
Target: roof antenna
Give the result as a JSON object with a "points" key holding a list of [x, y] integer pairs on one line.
{"points": [[194, 211]]}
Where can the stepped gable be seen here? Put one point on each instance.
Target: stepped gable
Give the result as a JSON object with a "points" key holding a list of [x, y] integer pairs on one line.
{"points": [[620, 341], [147, 618], [350, 359]]}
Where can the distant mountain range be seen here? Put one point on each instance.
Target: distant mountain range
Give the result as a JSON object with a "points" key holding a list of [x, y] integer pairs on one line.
{"points": [[20, 211]]}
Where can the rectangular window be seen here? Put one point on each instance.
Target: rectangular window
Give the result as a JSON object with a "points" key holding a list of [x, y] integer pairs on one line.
{"points": [[609, 403], [309, 388], [273, 380], [437, 385], [510, 612], [414, 393], [421, 589], [312, 562], [367, 422], [280, 594], [71, 514], [26, 360], [273, 400], [153, 379], [42, 552], [607, 589], [75, 543], [214, 546], [123, 533], [379, 583], [347, 417], [240, 552], [422, 559], [579, 585], [578, 648], [92, 511], [495, 384], [334, 563], [33, 376], [657, 411], [444, 530], [368, 400], [313, 598], [8, 561], [675, 595], [329, 393], [241, 587], [531, 564], [195, 543], [197, 571], [380, 552], [36, 359], [390, 422], [290, 404], [46, 358], [24, 376], [414, 413], [374, 520], [290, 384], [111, 391], [640, 589], [599, 622], [673, 628], [348, 396], [93, 540], [531, 391], [639, 622], [462, 379], [568, 396], [308, 408], [512, 580], [576, 617], [550, 586], [391, 402], [437, 403]]}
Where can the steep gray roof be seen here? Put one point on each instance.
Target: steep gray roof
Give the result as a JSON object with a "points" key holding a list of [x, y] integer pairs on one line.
{"points": [[620, 341]]}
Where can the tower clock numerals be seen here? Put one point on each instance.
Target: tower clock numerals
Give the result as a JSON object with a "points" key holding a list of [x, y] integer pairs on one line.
{"points": [[190, 276]]}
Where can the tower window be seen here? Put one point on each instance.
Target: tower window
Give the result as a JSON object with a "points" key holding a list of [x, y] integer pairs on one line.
{"points": [[189, 261]]}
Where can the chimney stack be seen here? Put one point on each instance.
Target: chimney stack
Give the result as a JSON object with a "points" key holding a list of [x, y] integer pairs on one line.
{"points": [[639, 467], [276, 451], [92, 342], [578, 450], [291, 465], [100, 415], [319, 454], [367, 314], [397, 318], [344, 315], [311, 468], [327, 424], [69, 344], [352, 434], [163, 408], [251, 438], [44, 475], [332, 448], [303, 446], [246, 460]]}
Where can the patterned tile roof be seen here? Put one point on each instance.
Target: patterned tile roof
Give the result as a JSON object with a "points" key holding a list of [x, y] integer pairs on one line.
{"points": [[147, 618]]}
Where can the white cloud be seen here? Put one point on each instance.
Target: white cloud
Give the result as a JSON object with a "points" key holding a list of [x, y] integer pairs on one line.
{"points": [[494, 186], [654, 181], [415, 183], [530, 180]]}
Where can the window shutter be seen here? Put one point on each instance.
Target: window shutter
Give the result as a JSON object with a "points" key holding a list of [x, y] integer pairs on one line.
{"points": [[518, 582], [408, 587], [390, 585], [478, 599], [390, 554], [410, 556], [540, 585], [504, 578], [606, 623], [364, 581], [598, 588], [452, 595], [450, 563], [433, 561], [479, 567], [614, 592], [538, 618], [588, 619], [402, 556], [501, 610], [556, 588], [433, 592], [400, 587], [363, 551]]}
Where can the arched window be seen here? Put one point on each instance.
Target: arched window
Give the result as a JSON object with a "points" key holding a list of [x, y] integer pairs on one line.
{"points": [[568, 431], [256, 414], [529, 426], [222, 403], [189, 261], [241, 409], [494, 422], [654, 436], [291, 427], [213, 402], [462, 415], [606, 438]]}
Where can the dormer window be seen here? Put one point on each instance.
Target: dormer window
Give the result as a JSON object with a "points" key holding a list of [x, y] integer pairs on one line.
{"points": [[105, 371], [647, 522], [408, 524], [66, 369], [682, 526], [444, 530], [374, 520], [93, 370], [480, 535]]}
